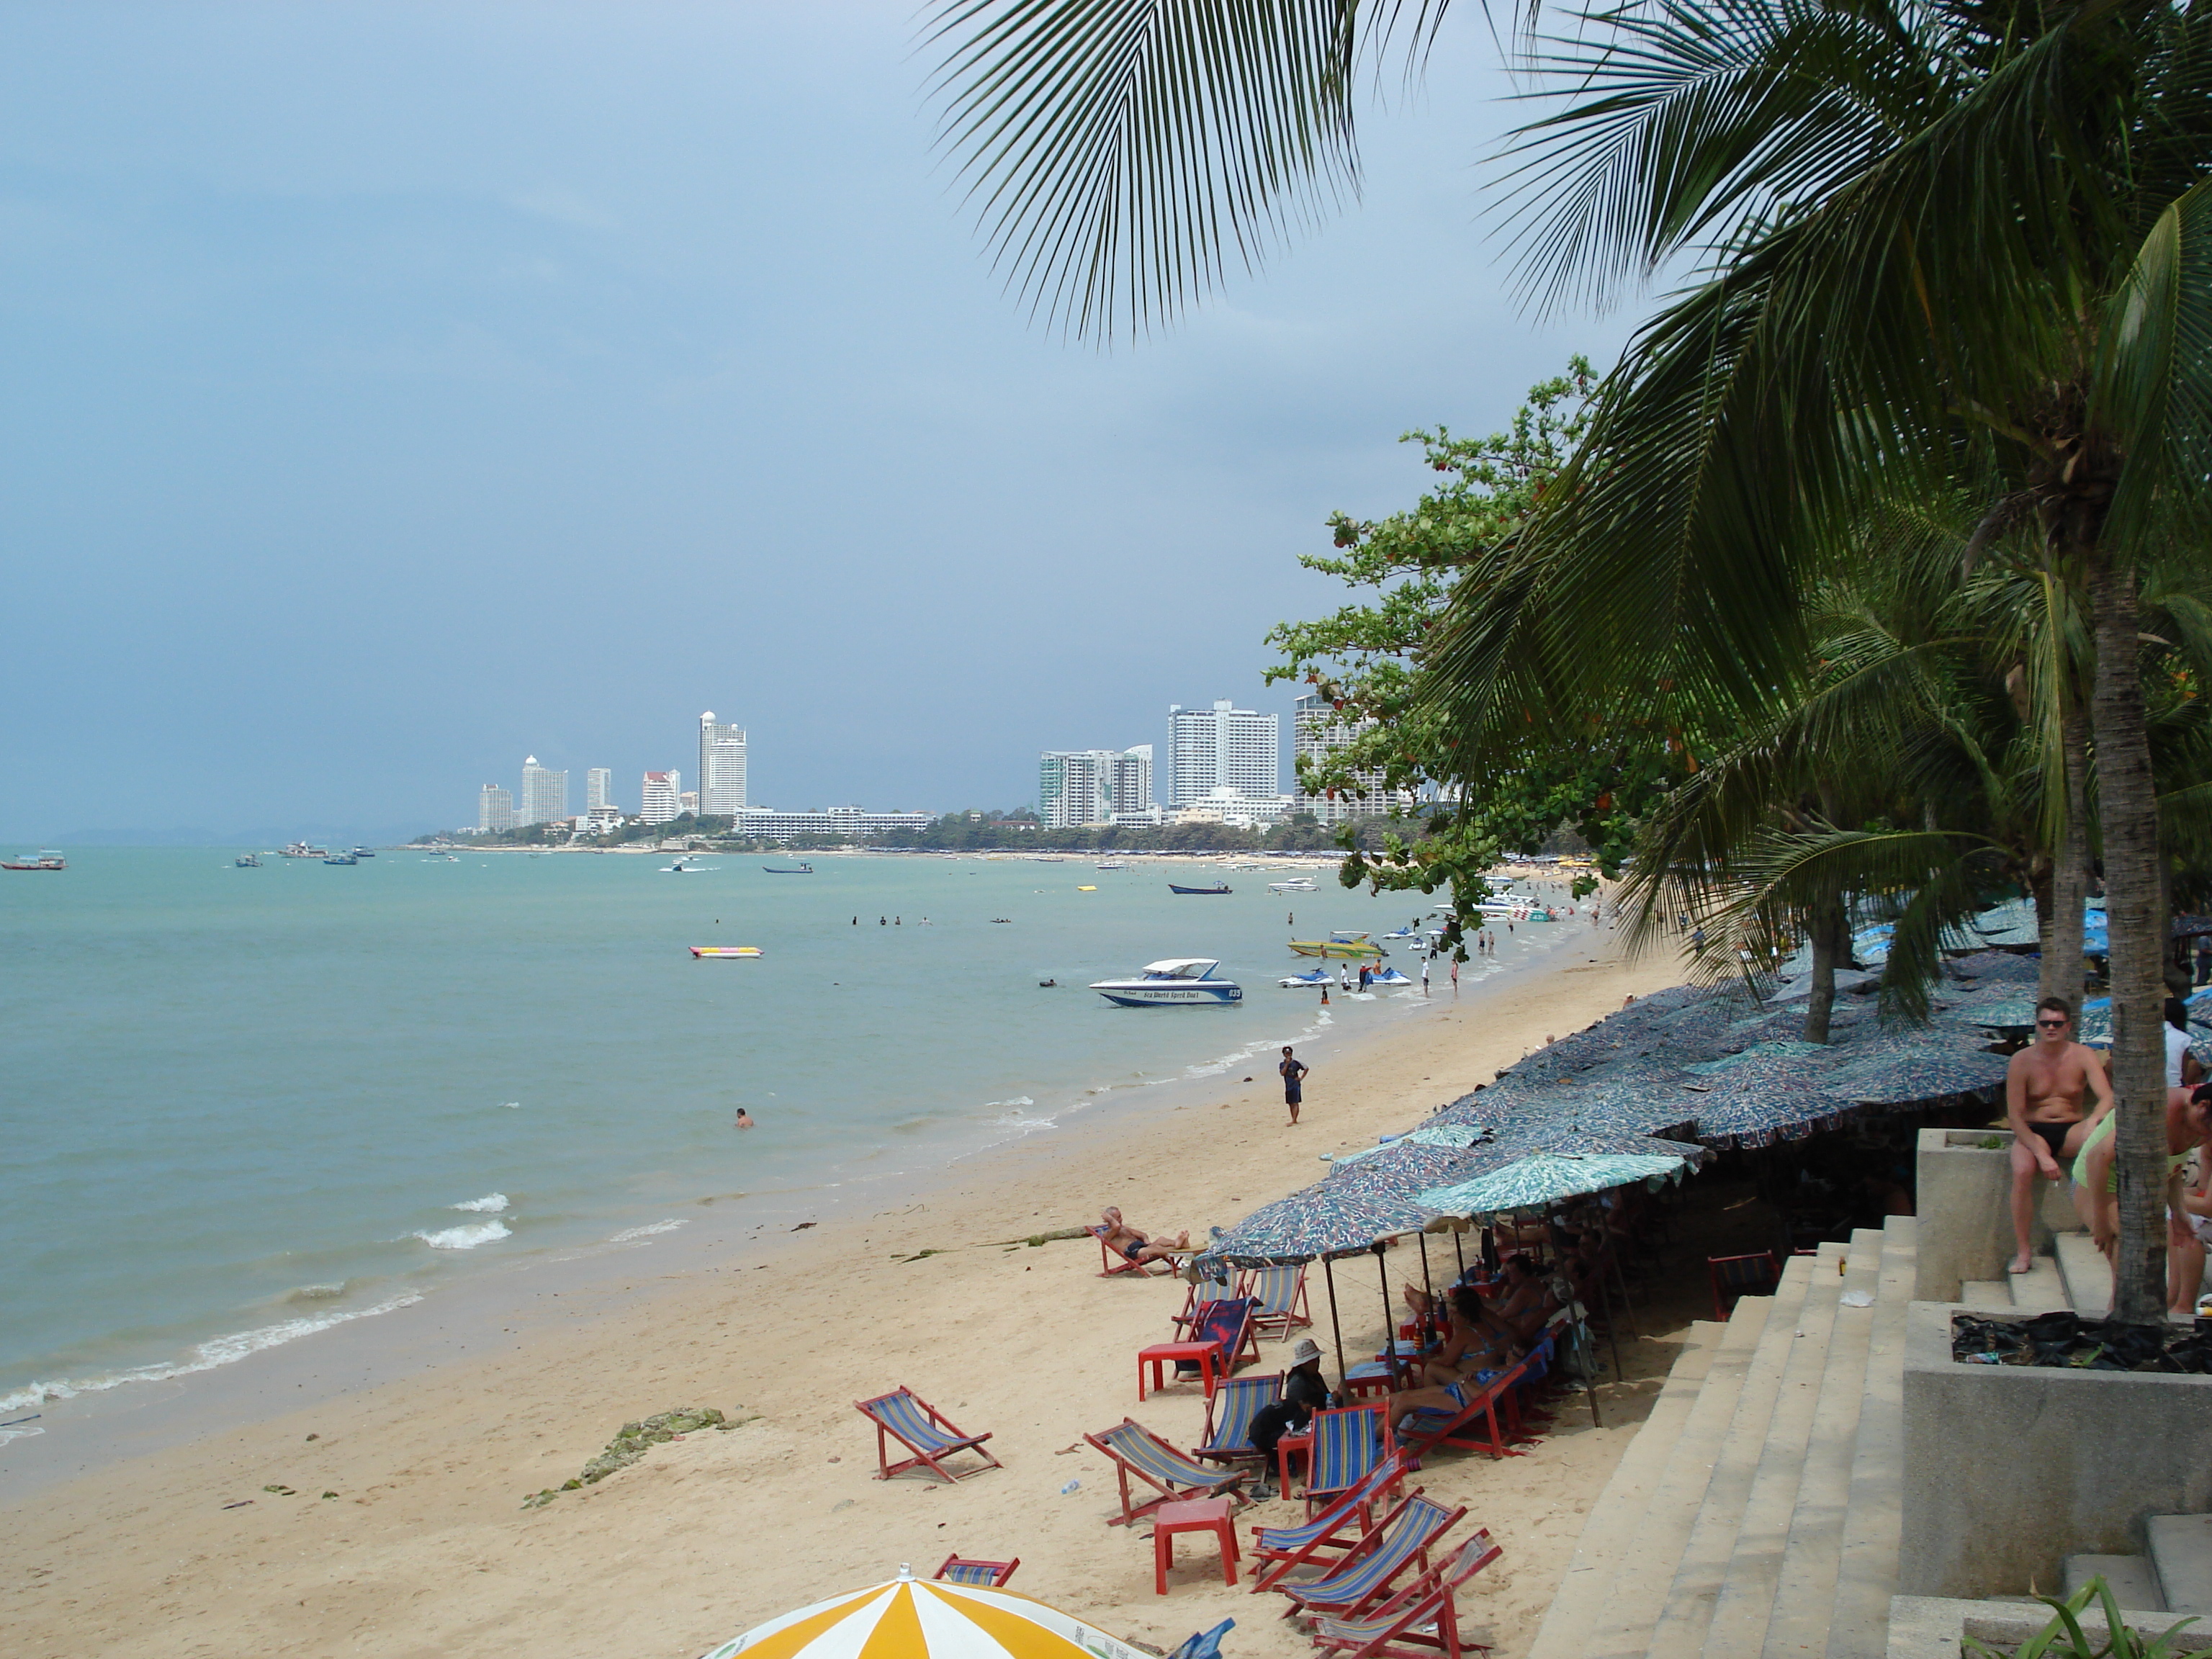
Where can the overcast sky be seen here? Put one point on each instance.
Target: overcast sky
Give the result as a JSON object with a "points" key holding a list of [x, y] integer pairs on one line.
{"points": [[392, 390]]}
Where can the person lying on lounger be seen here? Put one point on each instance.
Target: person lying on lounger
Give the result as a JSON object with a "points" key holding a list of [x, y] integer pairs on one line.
{"points": [[1137, 1247]]}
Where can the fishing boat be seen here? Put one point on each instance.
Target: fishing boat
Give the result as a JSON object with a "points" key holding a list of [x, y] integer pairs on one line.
{"points": [[46, 860], [799, 867], [1295, 884], [725, 952], [1219, 887], [248, 861], [340, 858], [299, 849], [1176, 982]]}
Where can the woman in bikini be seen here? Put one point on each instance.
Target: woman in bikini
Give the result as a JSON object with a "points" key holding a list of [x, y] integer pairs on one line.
{"points": [[1500, 1332]]}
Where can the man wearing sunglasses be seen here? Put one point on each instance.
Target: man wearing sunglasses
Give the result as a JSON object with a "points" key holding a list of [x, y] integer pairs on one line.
{"points": [[2044, 1086]]}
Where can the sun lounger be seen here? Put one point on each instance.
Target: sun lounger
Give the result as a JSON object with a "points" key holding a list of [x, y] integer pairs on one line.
{"points": [[1348, 1444], [959, 1570], [1735, 1276], [1281, 1294], [1112, 1263], [1277, 1550], [903, 1416], [1421, 1621], [1228, 1325], [1491, 1419], [1228, 1416], [1206, 1643], [1203, 1290], [1135, 1449], [1361, 1581]]}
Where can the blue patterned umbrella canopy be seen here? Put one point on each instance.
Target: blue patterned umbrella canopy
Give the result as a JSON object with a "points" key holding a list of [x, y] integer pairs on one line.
{"points": [[1925, 1071], [1332, 1218], [1394, 1173], [1542, 1178], [1996, 1012], [1456, 1136], [1567, 1142]]}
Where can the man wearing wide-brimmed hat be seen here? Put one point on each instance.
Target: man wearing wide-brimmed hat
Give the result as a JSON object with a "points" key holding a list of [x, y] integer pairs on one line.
{"points": [[1304, 1392]]}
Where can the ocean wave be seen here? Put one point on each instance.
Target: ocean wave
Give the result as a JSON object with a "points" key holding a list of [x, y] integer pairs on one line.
{"points": [[314, 1292], [19, 1431], [630, 1233], [205, 1356], [1023, 1121], [1018, 1100], [489, 1203], [463, 1237]]}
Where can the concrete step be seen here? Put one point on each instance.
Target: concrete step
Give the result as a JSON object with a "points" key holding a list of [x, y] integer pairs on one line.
{"points": [[1987, 1295], [1621, 1625], [1744, 1606], [2181, 1554], [2134, 1584], [1867, 1567], [2042, 1288], [1619, 1515], [1804, 1601], [1688, 1614], [2087, 1275]]}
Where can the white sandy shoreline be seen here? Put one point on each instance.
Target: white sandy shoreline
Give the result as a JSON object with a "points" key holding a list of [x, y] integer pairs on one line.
{"points": [[431, 1436]]}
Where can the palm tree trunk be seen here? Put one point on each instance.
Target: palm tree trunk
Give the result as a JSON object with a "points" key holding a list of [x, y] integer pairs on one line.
{"points": [[1831, 941], [2061, 975], [2129, 801]]}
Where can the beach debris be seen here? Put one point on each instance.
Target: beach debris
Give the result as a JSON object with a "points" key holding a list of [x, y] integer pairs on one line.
{"points": [[803, 1225], [1073, 1486], [329, 1494], [631, 1443], [842, 1504], [240, 1504], [13, 1421], [918, 1255], [280, 1491], [314, 1437]]}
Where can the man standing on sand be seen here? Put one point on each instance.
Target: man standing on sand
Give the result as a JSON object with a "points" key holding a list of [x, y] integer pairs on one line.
{"points": [[2043, 1087], [1424, 976], [1294, 1071]]}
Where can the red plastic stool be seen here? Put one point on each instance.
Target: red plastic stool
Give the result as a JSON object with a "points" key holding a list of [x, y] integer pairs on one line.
{"points": [[1201, 1515], [1205, 1355]]}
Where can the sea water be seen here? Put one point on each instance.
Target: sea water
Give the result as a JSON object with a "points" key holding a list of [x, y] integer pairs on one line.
{"points": [[241, 1106]]}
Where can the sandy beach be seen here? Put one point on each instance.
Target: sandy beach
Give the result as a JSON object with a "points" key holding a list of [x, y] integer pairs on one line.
{"points": [[398, 1527]]}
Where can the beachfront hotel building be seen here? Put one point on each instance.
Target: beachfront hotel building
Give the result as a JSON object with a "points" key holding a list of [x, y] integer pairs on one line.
{"points": [[662, 798], [765, 823], [1079, 787], [1317, 731], [721, 768], [544, 793], [495, 810], [1223, 747], [598, 789]]}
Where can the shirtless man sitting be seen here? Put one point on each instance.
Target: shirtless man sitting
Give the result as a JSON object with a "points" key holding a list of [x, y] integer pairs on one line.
{"points": [[2043, 1086], [1127, 1241]]}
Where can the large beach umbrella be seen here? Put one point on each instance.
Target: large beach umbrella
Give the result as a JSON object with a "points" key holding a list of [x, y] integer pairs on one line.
{"points": [[1912, 1073], [1329, 1220], [1542, 1178], [909, 1618]]}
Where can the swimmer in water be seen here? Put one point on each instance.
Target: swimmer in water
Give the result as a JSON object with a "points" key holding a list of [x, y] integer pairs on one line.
{"points": [[745, 1118]]}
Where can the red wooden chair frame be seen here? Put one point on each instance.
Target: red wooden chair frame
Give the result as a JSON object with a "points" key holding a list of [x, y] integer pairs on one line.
{"points": [[930, 1436], [991, 1574], [1740, 1284]]}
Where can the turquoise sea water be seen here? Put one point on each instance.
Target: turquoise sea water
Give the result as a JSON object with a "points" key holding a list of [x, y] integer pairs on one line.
{"points": [[241, 1104]]}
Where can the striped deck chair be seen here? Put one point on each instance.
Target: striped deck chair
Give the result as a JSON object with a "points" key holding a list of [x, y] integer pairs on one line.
{"points": [[1135, 1449], [1213, 1285], [1281, 1294], [903, 1416], [1112, 1263], [1228, 1416], [1228, 1325], [1347, 1444], [1476, 1426], [1277, 1551], [960, 1570], [1363, 1580], [1420, 1622]]}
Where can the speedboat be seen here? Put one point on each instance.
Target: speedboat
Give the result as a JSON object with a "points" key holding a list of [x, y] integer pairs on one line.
{"points": [[1348, 946], [680, 868], [46, 860], [364, 851], [299, 849], [1172, 983], [725, 952], [1295, 884], [1311, 977]]}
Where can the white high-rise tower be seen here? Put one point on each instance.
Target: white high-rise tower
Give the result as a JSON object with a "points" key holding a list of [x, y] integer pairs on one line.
{"points": [[544, 793], [721, 768], [1317, 731], [1225, 747], [598, 789]]}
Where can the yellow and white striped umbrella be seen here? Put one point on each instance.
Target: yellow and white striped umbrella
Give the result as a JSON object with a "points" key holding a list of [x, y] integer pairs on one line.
{"points": [[923, 1619]]}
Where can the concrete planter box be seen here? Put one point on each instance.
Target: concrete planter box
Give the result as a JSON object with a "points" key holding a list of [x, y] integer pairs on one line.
{"points": [[2008, 1470], [1964, 1206]]}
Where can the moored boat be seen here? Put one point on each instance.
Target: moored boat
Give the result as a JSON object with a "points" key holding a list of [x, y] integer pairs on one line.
{"points": [[797, 868], [1348, 949], [1294, 885], [299, 849], [248, 861], [45, 859], [725, 952], [341, 858], [1219, 887], [1178, 981]]}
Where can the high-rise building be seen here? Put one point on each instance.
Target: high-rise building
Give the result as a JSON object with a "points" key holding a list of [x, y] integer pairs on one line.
{"points": [[662, 799], [544, 793], [495, 810], [689, 801], [598, 789], [1076, 786], [1225, 747], [1132, 780], [721, 768], [1317, 731]]}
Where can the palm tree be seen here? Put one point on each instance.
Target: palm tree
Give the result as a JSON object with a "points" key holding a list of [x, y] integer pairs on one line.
{"points": [[1934, 240]]}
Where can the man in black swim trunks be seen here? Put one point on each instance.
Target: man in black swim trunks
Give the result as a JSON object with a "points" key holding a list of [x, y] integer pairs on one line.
{"points": [[1294, 1071], [2044, 1085]]}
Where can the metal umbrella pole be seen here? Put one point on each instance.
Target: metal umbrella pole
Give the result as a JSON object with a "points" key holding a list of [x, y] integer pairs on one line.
{"points": [[1428, 1285], [1458, 1254], [1328, 1273]]}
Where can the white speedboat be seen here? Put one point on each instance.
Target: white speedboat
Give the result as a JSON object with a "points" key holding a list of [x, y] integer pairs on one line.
{"points": [[1173, 983], [1295, 884]]}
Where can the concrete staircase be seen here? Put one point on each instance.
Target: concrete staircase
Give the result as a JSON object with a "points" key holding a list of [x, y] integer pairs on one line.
{"points": [[2075, 1275], [2175, 1576], [1755, 1514]]}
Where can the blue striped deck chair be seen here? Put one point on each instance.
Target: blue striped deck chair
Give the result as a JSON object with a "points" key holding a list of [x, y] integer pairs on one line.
{"points": [[1347, 1444], [1213, 1285], [1281, 1294], [1421, 1621], [1228, 1416], [1135, 1449], [1363, 1580], [961, 1570], [903, 1416], [1228, 1325], [1204, 1644], [1277, 1551]]}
